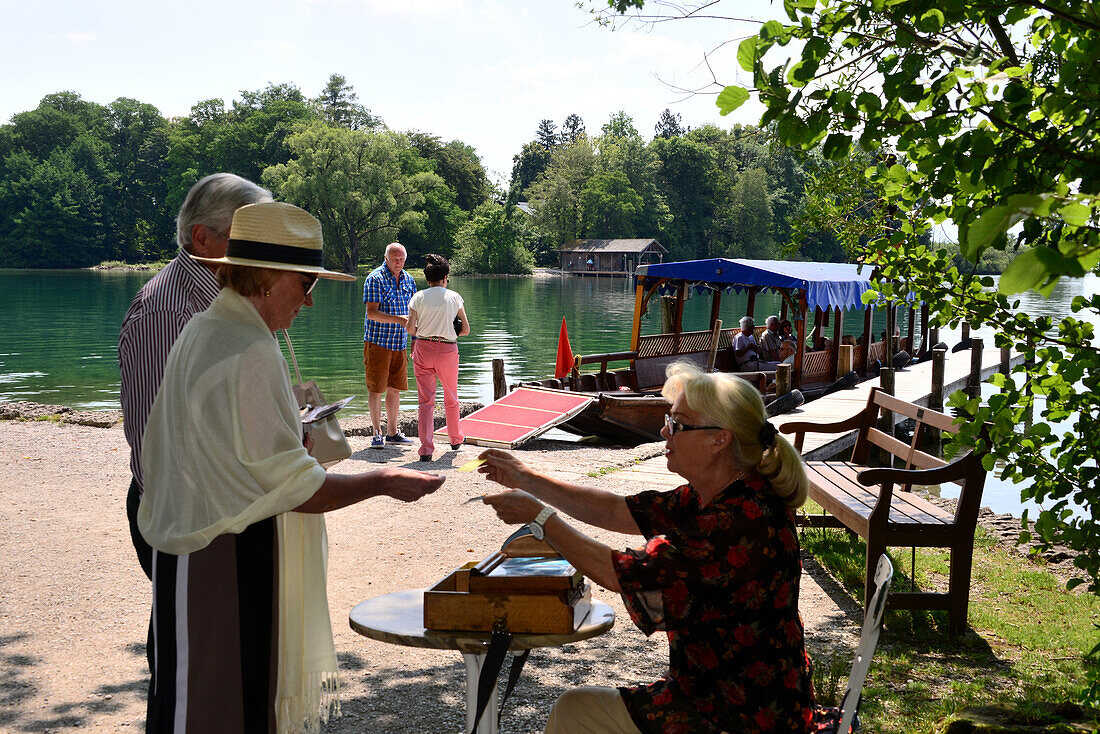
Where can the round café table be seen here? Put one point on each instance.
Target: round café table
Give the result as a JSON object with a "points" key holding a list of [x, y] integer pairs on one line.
{"points": [[398, 619]]}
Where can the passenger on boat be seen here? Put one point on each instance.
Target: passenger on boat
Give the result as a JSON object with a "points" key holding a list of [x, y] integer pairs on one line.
{"points": [[789, 344], [747, 353], [232, 501], [718, 573], [771, 341]]}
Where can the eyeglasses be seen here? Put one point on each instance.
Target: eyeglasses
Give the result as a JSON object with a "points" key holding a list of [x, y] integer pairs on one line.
{"points": [[312, 285], [675, 426]]}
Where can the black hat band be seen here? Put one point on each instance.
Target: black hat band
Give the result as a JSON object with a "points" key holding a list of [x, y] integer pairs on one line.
{"points": [[266, 251]]}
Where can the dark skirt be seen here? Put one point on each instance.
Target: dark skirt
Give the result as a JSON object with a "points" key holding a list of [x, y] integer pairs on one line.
{"points": [[215, 627]]}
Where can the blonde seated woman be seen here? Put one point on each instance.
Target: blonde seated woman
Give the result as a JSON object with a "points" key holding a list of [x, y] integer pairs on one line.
{"points": [[718, 572]]}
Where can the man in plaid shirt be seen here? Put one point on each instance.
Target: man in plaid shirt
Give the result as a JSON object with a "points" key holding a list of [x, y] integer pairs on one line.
{"points": [[387, 292]]}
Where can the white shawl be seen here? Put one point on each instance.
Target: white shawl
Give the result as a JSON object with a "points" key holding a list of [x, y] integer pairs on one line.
{"points": [[223, 450]]}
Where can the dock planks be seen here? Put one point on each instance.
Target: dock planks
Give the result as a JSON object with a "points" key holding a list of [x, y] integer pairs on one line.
{"points": [[913, 384]]}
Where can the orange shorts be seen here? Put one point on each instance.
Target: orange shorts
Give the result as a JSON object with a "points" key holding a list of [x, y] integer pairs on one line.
{"points": [[385, 368]]}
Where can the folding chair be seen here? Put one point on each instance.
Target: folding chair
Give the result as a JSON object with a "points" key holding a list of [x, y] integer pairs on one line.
{"points": [[842, 719]]}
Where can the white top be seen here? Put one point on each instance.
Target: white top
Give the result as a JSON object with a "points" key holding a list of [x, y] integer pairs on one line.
{"points": [[436, 308], [223, 444], [742, 340]]}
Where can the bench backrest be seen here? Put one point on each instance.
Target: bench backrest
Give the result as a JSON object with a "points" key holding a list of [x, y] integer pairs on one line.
{"points": [[910, 454], [967, 471]]}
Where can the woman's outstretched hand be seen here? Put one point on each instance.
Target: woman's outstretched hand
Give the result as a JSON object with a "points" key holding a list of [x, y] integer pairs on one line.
{"points": [[409, 485], [514, 507], [505, 469]]}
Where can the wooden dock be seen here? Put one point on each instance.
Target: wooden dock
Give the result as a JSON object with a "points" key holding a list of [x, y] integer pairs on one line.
{"points": [[913, 384]]}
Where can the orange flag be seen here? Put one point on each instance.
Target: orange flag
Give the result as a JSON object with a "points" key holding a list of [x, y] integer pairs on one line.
{"points": [[565, 353]]}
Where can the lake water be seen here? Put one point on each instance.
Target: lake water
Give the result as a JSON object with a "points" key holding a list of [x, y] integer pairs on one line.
{"points": [[59, 333]]}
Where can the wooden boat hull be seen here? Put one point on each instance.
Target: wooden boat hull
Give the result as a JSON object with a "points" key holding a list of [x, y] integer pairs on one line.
{"points": [[627, 418]]}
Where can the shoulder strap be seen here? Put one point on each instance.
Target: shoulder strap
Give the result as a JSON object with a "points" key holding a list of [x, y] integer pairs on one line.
{"points": [[293, 358]]}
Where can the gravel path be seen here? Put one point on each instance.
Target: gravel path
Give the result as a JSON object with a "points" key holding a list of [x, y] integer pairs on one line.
{"points": [[75, 605]]}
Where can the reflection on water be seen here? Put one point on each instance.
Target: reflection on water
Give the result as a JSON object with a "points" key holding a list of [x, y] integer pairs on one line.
{"points": [[59, 333]]}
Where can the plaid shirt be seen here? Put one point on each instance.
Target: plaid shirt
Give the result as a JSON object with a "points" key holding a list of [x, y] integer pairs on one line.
{"points": [[392, 297]]}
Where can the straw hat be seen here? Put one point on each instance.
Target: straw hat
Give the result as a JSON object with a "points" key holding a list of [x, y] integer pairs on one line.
{"points": [[279, 236]]}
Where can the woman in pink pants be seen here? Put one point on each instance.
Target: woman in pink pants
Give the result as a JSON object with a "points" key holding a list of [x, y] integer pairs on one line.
{"points": [[432, 314]]}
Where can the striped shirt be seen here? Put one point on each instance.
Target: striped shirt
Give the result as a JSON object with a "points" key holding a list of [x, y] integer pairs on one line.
{"points": [[392, 296], [156, 317]]}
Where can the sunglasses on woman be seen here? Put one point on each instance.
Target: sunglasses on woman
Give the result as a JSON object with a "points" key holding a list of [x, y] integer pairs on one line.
{"points": [[675, 426]]}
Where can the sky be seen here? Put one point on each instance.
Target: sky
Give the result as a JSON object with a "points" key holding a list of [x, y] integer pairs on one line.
{"points": [[481, 71]]}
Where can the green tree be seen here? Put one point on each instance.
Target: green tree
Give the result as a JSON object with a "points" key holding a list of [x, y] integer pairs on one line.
{"points": [[496, 239], [353, 181], [547, 134], [610, 206], [527, 166], [991, 112], [571, 129], [620, 125], [458, 164], [339, 105], [686, 176], [669, 125], [556, 195]]}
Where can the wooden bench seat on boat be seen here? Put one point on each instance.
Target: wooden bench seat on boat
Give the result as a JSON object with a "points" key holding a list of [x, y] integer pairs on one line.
{"points": [[878, 505]]}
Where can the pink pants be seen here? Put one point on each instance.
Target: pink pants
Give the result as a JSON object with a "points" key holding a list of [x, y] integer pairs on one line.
{"points": [[432, 360]]}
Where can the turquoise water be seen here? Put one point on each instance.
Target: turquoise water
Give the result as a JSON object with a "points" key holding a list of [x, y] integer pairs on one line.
{"points": [[59, 333]]}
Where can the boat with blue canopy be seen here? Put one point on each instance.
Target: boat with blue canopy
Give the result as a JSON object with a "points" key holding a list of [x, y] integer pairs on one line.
{"points": [[815, 297]]}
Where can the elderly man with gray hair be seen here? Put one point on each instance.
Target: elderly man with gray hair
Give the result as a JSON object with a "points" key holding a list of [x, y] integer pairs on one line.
{"points": [[771, 340], [747, 352], [163, 307]]}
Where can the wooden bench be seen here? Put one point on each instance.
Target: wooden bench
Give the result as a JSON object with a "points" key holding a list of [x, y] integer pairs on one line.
{"points": [[877, 504]]}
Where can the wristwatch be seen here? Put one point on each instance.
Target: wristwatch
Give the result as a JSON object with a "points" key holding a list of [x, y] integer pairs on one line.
{"points": [[539, 522]]}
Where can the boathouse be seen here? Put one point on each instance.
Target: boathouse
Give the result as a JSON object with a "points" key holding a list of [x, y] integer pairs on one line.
{"points": [[609, 257]]}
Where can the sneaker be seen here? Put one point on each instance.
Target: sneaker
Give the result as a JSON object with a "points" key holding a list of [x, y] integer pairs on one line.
{"points": [[378, 441], [398, 437], [456, 446], [425, 458]]}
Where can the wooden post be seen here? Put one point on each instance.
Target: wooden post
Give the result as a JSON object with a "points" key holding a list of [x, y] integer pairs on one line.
{"points": [[1006, 360], [933, 337], [909, 331], [965, 331], [868, 340], [844, 363], [925, 344], [1029, 365], [933, 441], [750, 309], [834, 352], [891, 326], [715, 305], [975, 381], [782, 379], [715, 335], [500, 387], [886, 417], [668, 314]]}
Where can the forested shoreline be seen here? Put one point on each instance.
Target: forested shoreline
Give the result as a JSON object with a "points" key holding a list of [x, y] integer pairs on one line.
{"points": [[83, 183]]}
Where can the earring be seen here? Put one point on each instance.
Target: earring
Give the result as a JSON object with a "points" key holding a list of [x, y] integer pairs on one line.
{"points": [[267, 293]]}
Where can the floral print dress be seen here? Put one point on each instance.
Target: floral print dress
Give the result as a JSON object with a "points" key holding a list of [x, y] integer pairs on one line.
{"points": [[722, 582]]}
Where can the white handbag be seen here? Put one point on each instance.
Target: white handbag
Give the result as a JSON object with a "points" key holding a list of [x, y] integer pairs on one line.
{"points": [[330, 445]]}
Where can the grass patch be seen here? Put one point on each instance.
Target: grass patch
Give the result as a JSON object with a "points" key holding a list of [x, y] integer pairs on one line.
{"points": [[1025, 645]]}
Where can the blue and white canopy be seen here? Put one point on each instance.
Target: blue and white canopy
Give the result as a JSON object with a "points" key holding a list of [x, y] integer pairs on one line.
{"points": [[826, 285]]}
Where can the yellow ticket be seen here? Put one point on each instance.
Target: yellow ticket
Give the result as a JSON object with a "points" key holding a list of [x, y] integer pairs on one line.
{"points": [[471, 465]]}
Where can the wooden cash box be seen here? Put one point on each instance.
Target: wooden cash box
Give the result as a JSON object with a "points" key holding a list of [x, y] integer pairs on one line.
{"points": [[525, 588]]}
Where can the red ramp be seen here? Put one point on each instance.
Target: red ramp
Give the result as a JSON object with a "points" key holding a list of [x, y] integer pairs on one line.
{"points": [[519, 416]]}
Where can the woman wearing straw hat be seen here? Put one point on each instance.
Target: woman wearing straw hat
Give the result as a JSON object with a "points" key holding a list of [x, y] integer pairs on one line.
{"points": [[233, 501]]}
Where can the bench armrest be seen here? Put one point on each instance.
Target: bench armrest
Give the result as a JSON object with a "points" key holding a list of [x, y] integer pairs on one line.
{"points": [[801, 428], [958, 469]]}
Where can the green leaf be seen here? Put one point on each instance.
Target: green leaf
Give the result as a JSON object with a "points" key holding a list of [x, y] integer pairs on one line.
{"points": [[836, 146], [1030, 269], [747, 53], [731, 98], [1076, 214], [994, 222]]}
